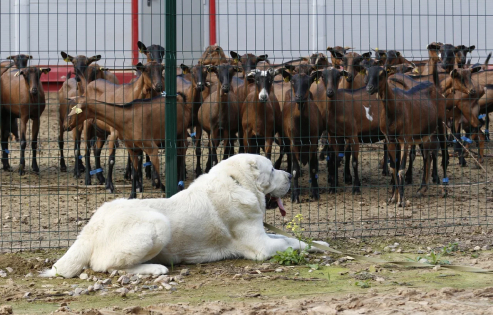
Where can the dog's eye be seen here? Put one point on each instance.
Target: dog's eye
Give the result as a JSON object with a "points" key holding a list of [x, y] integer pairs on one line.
{"points": [[272, 170]]}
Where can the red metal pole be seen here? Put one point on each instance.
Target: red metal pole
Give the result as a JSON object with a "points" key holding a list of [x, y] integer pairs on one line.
{"points": [[135, 31], [212, 22]]}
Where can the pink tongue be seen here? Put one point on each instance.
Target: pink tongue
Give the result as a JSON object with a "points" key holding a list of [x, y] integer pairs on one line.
{"points": [[281, 206]]}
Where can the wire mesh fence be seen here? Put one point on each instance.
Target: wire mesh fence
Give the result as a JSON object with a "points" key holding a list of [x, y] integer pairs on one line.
{"points": [[379, 109]]}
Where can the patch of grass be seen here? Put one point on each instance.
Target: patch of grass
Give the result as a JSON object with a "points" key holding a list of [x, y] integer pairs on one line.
{"points": [[363, 284], [450, 249]]}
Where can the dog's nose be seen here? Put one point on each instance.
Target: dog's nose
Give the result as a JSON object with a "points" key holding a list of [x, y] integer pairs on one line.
{"points": [[290, 176]]}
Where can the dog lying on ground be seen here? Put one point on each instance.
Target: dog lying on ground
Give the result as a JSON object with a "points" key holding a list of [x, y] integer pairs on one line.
{"points": [[218, 217]]}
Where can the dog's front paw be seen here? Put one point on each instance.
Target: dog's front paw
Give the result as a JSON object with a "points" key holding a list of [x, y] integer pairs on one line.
{"points": [[157, 270]]}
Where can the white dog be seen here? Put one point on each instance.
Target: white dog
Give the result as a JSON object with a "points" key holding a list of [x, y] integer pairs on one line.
{"points": [[218, 217]]}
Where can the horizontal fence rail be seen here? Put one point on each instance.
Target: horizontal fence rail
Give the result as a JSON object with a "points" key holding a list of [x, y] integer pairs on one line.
{"points": [[379, 109]]}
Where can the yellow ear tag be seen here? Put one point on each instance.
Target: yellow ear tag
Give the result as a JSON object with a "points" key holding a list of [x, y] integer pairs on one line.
{"points": [[362, 72], [415, 70], [17, 74], [77, 110], [66, 59], [286, 79], [317, 80], [376, 49], [235, 61]]}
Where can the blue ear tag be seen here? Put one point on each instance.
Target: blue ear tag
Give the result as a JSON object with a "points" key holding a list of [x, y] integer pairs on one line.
{"points": [[80, 157], [341, 154], [316, 176], [181, 184], [445, 180], [147, 164], [482, 116], [6, 151], [466, 139], [310, 180], [486, 131], [454, 141], [193, 134], [327, 158], [98, 170]]}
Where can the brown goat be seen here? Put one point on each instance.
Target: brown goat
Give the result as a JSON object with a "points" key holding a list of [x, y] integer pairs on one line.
{"points": [[23, 97], [401, 128], [261, 114], [73, 87], [141, 126], [219, 115], [149, 84], [248, 62], [350, 115], [336, 54], [302, 125]]}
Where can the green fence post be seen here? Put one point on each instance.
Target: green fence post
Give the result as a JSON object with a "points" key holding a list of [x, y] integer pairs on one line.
{"points": [[170, 111]]}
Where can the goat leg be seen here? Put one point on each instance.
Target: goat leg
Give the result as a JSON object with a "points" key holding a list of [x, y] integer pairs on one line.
{"points": [[355, 153], [409, 173], [97, 157], [109, 178], [34, 145], [295, 192], [128, 170], [394, 163], [314, 175], [5, 150], [88, 162], [333, 167], [348, 180], [401, 177], [148, 167], [385, 164], [22, 163], [63, 166], [426, 170]]}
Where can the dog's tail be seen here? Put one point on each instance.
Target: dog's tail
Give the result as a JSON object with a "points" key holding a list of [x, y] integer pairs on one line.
{"points": [[71, 264]]}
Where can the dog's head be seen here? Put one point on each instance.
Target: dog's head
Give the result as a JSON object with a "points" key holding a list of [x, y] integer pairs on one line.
{"points": [[257, 173]]}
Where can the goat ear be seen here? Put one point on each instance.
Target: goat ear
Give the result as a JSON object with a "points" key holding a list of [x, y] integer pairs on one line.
{"points": [[185, 69], [278, 71], [344, 73], [139, 66], [367, 55], [433, 46], [398, 53], [454, 73], [142, 47], [471, 48], [290, 67], [262, 58], [234, 55], [329, 49], [237, 69], [211, 68], [65, 56], [29, 57], [286, 75], [94, 58], [315, 76], [475, 69], [45, 70]]}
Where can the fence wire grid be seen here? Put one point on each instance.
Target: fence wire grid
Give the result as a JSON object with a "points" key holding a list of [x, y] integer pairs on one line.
{"points": [[379, 109]]}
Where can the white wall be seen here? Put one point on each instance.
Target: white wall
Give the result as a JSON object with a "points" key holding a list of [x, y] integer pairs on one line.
{"points": [[77, 27], [288, 29]]}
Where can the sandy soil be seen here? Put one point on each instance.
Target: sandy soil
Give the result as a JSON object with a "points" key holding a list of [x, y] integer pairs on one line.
{"points": [[337, 286], [47, 210]]}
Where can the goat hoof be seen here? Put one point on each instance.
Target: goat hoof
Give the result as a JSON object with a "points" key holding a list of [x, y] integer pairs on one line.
{"points": [[35, 170], [21, 171], [315, 194], [198, 172], [332, 191], [132, 196], [163, 188], [82, 168], [148, 173], [110, 188], [127, 176], [7, 168], [356, 191], [409, 180], [100, 178], [63, 168], [87, 181], [402, 204], [348, 180]]}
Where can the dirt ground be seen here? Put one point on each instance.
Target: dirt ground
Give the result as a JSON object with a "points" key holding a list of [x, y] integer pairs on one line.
{"points": [[47, 210], [330, 285]]}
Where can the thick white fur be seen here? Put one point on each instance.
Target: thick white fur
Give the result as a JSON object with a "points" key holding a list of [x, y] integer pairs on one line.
{"points": [[219, 216]]}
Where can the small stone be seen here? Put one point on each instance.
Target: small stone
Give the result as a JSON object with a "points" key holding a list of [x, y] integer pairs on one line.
{"points": [[423, 261], [167, 286], [279, 270], [84, 292], [386, 249], [121, 272], [399, 250], [296, 274], [173, 283], [27, 294], [106, 281], [29, 275], [474, 261], [185, 272], [90, 288], [436, 268], [486, 247], [63, 304], [124, 280], [178, 278], [3, 274], [78, 291], [420, 251], [377, 253], [408, 202], [311, 270], [83, 276], [113, 273], [6, 309], [162, 278], [9, 270], [237, 276], [98, 286], [134, 278], [477, 248], [93, 279], [122, 291]]}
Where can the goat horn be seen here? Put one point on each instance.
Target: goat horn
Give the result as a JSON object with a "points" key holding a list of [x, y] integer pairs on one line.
{"points": [[347, 47]]}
